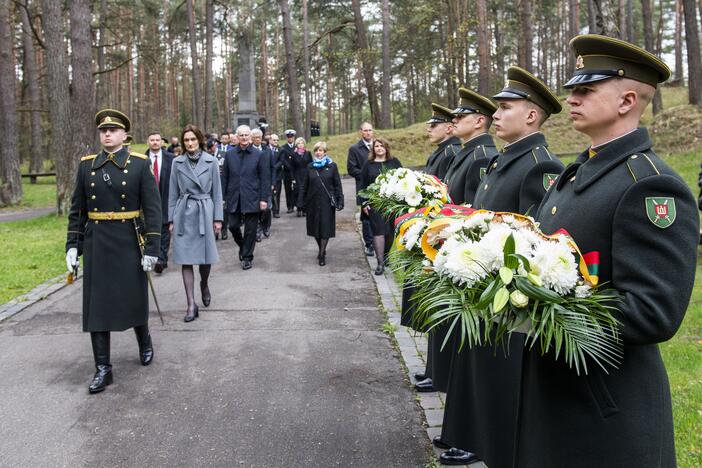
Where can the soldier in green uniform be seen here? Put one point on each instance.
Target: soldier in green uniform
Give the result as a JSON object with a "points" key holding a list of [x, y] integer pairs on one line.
{"points": [[440, 133], [481, 405], [112, 188], [621, 203]]}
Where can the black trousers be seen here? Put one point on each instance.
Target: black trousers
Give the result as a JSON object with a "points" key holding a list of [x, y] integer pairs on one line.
{"points": [[246, 240], [276, 196], [367, 232], [165, 244], [290, 192]]}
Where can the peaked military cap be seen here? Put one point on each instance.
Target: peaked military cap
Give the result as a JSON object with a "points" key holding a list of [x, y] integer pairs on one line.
{"points": [[111, 118], [440, 114], [523, 85], [473, 103], [290, 132], [601, 57]]}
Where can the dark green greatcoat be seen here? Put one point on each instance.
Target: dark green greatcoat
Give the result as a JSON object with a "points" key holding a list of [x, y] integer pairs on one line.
{"points": [[467, 168], [483, 392], [440, 160], [623, 418], [115, 295]]}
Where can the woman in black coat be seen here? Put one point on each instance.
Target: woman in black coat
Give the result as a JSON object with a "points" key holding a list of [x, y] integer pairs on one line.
{"points": [[301, 158], [320, 196], [379, 160]]}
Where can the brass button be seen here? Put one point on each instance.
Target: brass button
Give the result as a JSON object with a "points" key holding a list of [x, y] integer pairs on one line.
{"points": [[124, 196], [92, 173], [96, 221], [635, 156], [122, 208], [124, 182], [93, 197], [572, 179], [494, 165], [125, 171], [92, 184], [123, 220], [129, 161], [553, 210], [94, 209], [486, 187]]}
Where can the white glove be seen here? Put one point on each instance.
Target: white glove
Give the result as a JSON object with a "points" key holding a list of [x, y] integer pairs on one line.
{"points": [[148, 262], [71, 259]]}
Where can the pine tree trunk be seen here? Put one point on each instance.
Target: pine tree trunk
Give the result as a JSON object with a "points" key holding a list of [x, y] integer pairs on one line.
{"points": [[293, 88], [330, 90], [647, 17], [306, 71], [385, 104], [694, 61], [31, 79], [197, 98], [209, 54], [366, 61], [678, 75], [483, 48], [83, 85], [526, 35], [10, 177]]}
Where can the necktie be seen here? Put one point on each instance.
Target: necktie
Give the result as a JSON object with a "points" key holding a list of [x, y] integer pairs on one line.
{"points": [[156, 169]]}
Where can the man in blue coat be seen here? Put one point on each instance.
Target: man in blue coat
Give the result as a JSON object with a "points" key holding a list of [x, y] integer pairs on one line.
{"points": [[246, 181]]}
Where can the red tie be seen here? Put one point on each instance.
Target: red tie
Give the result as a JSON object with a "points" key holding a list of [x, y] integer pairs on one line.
{"points": [[156, 170]]}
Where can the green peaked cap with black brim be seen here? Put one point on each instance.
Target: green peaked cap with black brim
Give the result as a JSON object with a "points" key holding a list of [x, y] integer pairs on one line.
{"points": [[601, 57], [523, 85], [473, 103], [112, 118], [440, 114]]}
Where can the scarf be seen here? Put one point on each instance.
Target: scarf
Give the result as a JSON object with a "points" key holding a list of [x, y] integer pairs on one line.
{"points": [[300, 151], [320, 163], [193, 157]]}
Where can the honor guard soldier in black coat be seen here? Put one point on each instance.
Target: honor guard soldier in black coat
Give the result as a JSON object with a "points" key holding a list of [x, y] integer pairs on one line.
{"points": [[112, 189], [483, 393], [440, 133], [620, 201], [471, 122]]}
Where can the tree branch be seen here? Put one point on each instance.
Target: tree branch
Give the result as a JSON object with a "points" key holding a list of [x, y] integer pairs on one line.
{"points": [[108, 70]]}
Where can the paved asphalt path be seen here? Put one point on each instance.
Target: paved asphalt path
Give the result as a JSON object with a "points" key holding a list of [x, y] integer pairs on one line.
{"points": [[286, 368]]}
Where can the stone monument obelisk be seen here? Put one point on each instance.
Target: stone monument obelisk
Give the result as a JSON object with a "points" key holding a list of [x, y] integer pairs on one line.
{"points": [[246, 114]]}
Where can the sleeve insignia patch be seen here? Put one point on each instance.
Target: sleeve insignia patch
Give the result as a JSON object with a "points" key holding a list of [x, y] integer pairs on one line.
{"points": [[661, 211], [549, 180]]}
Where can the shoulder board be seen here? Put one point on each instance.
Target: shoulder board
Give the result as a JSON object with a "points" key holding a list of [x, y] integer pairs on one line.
{"points": [[541, 154], [88, 157], [640, 165], [139, 155]]}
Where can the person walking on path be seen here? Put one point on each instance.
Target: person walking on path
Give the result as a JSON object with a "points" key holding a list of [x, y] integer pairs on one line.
{"points": [[301, 158], [357, 158], [321, 196], [161, 162], [195, 212], [112, 188], [266, 217], [287, 159], [246, 182], [379, 160]]}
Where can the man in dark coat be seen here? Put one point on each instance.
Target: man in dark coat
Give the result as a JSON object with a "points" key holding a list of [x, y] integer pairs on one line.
{"points": [[111, 189], [440, 133], [481, 406], [161, 162], [277, 174], [264, 222], [357, 158], [246, 179], [220, 151], [622, 203], [287, 159]]}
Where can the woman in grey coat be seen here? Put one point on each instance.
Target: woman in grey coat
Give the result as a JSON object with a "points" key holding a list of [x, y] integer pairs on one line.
{"points": [[195, 214]]}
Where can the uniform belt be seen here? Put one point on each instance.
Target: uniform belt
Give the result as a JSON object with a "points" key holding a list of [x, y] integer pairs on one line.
{"points": [[110, 215]]}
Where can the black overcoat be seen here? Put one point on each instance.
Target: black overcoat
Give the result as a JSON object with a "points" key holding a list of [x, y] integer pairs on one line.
{"points": [[300, 162], [321, 216], [357, 157], [440, 160], [610, 204], [286, 159], [467, 168], [246, 179], [483, 393], [114, 283]]}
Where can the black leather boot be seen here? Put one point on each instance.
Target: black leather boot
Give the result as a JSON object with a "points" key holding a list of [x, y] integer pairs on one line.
{"points": [[101, 353], [146, 347]]}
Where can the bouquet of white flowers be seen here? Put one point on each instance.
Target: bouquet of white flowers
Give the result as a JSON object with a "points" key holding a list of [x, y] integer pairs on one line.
{"points": [[400, 191], [491, 274]]}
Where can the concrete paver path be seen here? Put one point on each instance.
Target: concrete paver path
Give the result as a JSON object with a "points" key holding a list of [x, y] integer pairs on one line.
{"points": [[287, 367]]}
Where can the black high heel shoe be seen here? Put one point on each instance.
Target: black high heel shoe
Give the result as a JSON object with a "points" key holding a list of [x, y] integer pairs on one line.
{"points": [[205, 292], [190, 317], [322, 260]]}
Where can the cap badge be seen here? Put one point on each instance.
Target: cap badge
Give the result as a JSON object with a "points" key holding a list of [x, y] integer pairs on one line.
{"points": [[579, 63], [108, 119]]}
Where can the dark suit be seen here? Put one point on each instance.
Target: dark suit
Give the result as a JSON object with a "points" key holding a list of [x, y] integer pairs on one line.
{"points": [[164, 181], [276, 177], [266, 215], [610, 204], [246, 180], [357, 158], [483, 392], [300, 162], [287, 161]]}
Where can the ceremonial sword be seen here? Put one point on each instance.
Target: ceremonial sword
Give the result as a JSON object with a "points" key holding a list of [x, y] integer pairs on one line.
{"points": [[140, 241]]}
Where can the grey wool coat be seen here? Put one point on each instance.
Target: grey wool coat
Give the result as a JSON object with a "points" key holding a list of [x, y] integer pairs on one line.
{"points": [[194, 203]]}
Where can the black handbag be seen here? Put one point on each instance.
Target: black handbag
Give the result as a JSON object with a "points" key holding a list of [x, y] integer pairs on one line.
{"points": [[332, 201]]}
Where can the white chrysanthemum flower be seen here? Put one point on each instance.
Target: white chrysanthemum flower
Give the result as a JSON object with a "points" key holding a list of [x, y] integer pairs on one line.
{"points": [[464, 262], [413, 198], [478, 221], [413, 234], [583, 291], [555, 264]]}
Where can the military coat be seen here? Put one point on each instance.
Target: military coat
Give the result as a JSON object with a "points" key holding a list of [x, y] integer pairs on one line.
{"points": [[113, 186], [440, 160], [640, 216], [483, 391], [467, 167]]}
